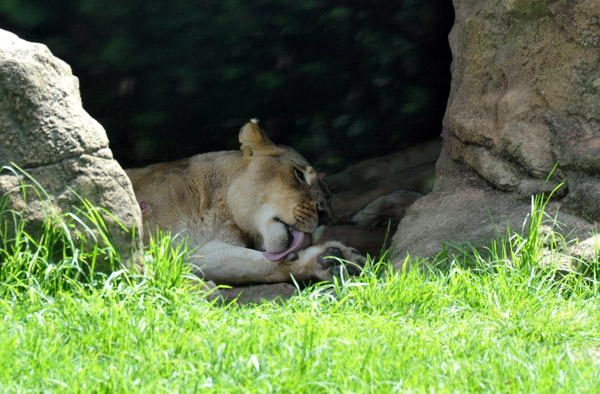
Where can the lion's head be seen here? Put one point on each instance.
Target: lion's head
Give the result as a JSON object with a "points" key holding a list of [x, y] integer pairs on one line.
{"points": [[278, 199]]}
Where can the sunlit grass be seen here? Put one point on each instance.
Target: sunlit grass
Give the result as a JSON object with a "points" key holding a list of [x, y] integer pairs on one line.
{"points": [[495, 320]]}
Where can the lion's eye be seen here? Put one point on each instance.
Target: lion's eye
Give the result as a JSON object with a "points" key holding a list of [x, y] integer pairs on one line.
{"points": [[300, 175]]}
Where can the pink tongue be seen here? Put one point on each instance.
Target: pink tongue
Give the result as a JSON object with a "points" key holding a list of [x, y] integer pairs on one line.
{"points": [[297, 241]]}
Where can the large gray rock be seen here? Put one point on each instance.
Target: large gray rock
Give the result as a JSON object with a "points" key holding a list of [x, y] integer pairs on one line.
{"points": [[525, 95], [463, 208], [47, 133]]}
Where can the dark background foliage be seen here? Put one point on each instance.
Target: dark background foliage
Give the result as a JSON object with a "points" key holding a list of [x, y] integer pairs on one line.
{"points": [[338, 80]]}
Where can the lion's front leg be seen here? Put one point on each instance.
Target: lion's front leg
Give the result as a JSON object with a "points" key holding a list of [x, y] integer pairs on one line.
{"points": [[235, 265], [228, 264]]}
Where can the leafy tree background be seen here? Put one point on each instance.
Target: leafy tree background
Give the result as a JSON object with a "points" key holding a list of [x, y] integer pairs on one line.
{"points": [[338, 80]]}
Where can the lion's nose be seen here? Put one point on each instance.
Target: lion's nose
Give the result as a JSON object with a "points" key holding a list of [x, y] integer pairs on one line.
{"points": [[324, 218]]}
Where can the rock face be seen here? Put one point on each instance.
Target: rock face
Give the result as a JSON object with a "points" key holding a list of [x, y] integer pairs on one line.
{"points": [[525, 95], [46, 132]]}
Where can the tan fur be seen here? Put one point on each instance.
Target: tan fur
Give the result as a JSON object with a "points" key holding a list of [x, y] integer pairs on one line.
{"points": [[233, 205]]}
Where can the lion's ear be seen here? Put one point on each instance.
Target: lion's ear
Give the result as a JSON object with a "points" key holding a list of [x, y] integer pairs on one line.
{"points": [[255, 142]]}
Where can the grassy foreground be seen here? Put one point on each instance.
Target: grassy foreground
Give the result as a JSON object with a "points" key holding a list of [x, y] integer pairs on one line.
{"points": [[494, 323]]}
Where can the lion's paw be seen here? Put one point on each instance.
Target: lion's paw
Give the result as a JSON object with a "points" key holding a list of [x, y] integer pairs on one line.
{"points": [[322, 262]]}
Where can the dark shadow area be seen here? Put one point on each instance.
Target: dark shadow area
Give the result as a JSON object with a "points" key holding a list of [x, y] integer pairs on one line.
{"points": [[338, 80]]}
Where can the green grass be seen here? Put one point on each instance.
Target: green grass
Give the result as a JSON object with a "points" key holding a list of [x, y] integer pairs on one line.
{"points": [[495, 321]]}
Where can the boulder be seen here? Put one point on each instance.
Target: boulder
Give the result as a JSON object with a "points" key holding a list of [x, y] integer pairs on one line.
{"points": [[465, 209], [525, 97], [47, 133]]}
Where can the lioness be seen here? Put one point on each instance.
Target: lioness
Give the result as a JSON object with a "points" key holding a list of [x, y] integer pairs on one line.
{"points": [[252, 214]]}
